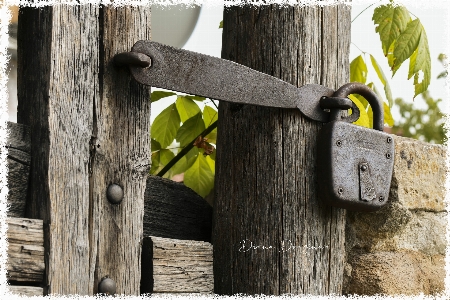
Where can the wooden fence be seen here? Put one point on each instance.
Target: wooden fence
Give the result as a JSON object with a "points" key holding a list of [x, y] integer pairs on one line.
{"points": [[176, 255]]}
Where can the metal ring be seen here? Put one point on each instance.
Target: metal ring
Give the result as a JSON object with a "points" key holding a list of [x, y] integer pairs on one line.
{"points": [[354, 116]]}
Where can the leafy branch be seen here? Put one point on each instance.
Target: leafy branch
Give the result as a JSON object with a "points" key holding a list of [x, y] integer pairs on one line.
{"points": [[195, 130], [186, 149], [401, 38]]}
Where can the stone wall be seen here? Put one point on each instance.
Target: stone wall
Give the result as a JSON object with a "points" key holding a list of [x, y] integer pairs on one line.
{"points": [[401, 248]]}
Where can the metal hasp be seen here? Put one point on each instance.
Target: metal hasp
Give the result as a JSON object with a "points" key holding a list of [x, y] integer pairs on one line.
{"points": [[202, 75], [354, 163], [343, 149]]}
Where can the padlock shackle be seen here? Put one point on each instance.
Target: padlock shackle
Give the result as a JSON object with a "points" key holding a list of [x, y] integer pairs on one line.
{"points": [[370, 96]]}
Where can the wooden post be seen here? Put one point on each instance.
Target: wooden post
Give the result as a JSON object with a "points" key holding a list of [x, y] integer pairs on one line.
{"points": [[272, 235], [89, 128]]}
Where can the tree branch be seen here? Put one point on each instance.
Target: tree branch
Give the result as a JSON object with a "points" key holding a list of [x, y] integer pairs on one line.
{"points": [[185, 150]]}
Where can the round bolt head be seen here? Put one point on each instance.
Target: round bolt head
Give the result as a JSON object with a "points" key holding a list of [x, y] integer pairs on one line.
{"points": [[114, 193], [107, 286], [363, 167], [338, 143]]}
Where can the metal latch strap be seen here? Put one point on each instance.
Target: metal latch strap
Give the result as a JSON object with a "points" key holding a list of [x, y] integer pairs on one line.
{"points": [[220, 79]]}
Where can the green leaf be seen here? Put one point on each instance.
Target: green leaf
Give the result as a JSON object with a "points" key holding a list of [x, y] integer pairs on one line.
{"points": [[196, 98], [156, 95], [159, 160], [420, 61], [185, 162], [391, 59], [221, 24], [370, 115], [392, 20], [200, 177], [387, 111], [186, 107], [443, 74], [358, 70], [388, 119], [211, 163], [155, 163], [358, 73], [213, 155], [212, 136], [407, 42], [363, 118], [210, 115], [180, 167], [165, 126], [190, 130], [377, 92], [191, 156], [383, 79], [155, 146]]}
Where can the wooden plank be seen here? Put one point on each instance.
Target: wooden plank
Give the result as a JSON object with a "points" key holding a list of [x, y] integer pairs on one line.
{"points": [[28, 291], [25, 250], [89, 127], [122, 153], [173, 210], [62, 43], [19, 147], [176, 266], [265, 191]]}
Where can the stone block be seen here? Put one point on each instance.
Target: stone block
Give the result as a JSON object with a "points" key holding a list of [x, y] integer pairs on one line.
{"points": [[395, 228], [419, 175], [394, 273]]}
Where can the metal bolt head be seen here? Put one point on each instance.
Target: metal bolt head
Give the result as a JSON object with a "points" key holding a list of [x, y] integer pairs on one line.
{"points": [[338, 143], [363, 167], [389, 140], [107, 286], [114, 193], [381, 198]]}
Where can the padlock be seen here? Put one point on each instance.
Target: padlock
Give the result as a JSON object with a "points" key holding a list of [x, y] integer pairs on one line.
{"points": [[354, 163]]}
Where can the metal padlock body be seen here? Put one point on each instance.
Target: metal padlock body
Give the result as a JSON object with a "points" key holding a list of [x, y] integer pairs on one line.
{"points": [[354, 163], [343, 148]]}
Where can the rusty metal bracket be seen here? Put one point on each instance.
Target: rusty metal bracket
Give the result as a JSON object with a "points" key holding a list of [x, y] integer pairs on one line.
{"points": [[162, 66]]}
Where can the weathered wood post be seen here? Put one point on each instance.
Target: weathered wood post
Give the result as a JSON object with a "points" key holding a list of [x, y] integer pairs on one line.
{"points": [[89, 128], [272, 235]]}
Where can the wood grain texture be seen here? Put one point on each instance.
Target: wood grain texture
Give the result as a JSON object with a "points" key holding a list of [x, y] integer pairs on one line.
{"points": [[28, 291], [19, 158], [271, 234], [173, 210], [25, 250], [56, 102], [177, 266], [122, 153], [90, 124]]}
